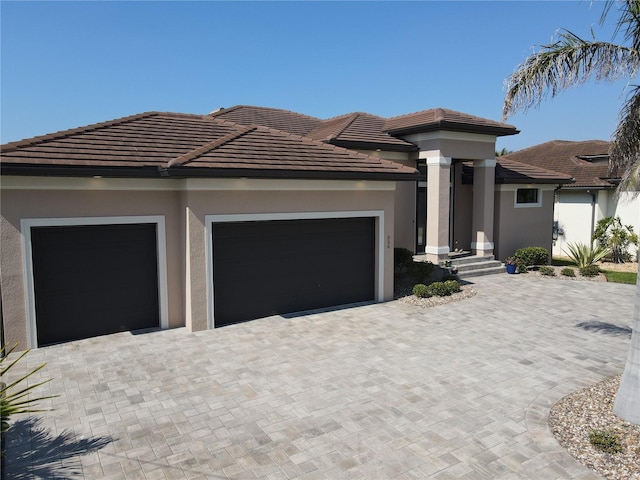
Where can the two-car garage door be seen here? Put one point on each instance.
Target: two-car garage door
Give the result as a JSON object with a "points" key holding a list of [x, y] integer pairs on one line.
{"points": [[263, 268]]}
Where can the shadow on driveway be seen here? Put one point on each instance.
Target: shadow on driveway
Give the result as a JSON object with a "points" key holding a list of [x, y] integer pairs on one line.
{"points": [[30, 451], [604, 327]]}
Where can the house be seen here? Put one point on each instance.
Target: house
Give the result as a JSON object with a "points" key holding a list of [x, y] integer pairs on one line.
{"points": [[592, 196], [167, 220]]}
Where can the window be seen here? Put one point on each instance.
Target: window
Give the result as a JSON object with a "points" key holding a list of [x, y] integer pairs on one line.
{"points": [[527, 197]]}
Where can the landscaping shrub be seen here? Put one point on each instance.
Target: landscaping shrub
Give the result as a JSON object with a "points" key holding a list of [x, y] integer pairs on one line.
{"points": [[402, 258], [547, 271], [533, 255], [584, 255], [611, 233], [452, 286], [436, 289], [421, 291], [421, 270], [568, 272], [590, 271], [605, 441]]}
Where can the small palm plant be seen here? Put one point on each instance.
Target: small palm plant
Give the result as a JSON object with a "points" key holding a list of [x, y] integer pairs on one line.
{"points": [[14, 397], [584, 255]]}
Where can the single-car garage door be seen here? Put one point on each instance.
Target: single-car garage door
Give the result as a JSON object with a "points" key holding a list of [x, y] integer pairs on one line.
{"points": [[94, 280], [265, 268]]}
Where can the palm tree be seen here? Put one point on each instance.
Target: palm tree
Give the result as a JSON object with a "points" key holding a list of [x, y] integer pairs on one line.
{"points": [[572, 61]]}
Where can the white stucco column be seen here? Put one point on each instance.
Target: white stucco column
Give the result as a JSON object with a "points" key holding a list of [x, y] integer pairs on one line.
{"points": [[484, 178], [438, 186]]}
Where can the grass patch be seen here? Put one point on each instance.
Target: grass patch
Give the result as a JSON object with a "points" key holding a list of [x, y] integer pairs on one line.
{"points": [[621, 277], [562, 262]]}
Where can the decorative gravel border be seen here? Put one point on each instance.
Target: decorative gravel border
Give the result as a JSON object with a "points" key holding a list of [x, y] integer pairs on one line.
{"points": [[574, 417]]}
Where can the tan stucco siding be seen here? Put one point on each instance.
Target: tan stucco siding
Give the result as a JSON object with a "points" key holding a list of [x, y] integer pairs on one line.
{"points": [[518, 227], [202, 204], [18, 205], [184, 206]]}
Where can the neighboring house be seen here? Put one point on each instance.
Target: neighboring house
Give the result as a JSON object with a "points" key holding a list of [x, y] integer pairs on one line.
{"points": [[579, 205], [167, 220]]}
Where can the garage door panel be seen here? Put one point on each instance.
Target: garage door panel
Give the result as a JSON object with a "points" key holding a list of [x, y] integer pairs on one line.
{"points": [[267, 268], [94, 279]]}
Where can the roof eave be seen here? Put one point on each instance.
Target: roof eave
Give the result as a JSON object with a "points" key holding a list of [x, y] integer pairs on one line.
{"points": [[454, 127], [197, 172], [374, 146]]}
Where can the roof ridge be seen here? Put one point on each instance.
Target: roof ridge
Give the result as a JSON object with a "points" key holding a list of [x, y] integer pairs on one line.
{"points": [[347, 124], [8, 147], [223, 110], [207, 147]]}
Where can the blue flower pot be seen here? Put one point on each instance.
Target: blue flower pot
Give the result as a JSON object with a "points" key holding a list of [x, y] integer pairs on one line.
{"points": [[511, 268]]}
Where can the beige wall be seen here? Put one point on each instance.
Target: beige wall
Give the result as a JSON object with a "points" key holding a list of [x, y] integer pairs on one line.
{"points": [[463, 212], [184, 205], [517, 227], [405, 200]]}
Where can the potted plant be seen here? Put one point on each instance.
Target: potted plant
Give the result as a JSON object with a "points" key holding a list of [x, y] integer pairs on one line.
{"points": [[514, 265]]}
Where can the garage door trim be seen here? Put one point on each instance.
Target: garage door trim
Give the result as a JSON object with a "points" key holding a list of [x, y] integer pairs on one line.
{"points": [[29, 287], [250, 217]]}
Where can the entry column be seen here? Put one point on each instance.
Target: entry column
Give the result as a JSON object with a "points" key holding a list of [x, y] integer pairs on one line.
{"points": [[484, 178], [438, 186]]}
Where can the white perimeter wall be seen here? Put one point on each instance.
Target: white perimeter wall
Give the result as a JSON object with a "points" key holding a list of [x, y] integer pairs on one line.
{"points": [[577, 215]]}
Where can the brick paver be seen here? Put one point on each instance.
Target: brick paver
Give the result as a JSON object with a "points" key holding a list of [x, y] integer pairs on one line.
{"points": [[377, 391]]}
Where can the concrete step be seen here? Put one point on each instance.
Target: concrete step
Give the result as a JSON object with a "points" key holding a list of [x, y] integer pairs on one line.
{"points": [[472, 259], [480, 272], [469, 267]]}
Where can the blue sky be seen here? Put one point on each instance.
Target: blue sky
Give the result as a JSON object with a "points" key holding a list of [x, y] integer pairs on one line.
{"points": [[68, 64]]}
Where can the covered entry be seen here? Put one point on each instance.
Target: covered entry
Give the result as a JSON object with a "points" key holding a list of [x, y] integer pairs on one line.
{"points": [[263, 268], [91, 280]]}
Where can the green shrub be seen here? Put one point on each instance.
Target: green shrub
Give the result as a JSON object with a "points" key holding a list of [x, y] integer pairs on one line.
{"points": [[584, 255], [590, 271], [547, 271], [568, 272], [421, 291], [402, 258], [421, 270], [436, 289], [452, 286], [605, 441], [611, 233], [533, 255]]}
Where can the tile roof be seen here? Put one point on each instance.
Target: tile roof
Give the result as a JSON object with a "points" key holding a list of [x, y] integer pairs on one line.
{"points": [[283, 120], [510, 171], [444, 119], [585, 161], [359, 130], [182, 144], [364, 130]]}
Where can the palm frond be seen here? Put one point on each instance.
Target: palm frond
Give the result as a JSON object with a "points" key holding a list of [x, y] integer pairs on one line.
{"points": [[568, 62], [624, 153], [629, 21]]}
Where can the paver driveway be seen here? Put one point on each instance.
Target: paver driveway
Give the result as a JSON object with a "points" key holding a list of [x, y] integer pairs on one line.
{"points": [[377, 391]]}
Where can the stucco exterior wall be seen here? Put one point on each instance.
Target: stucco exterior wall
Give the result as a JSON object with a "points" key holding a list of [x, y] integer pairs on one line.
{"points": [[574, 212], [578, 212], [184, 204], [405, 200], [518, 227]]}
